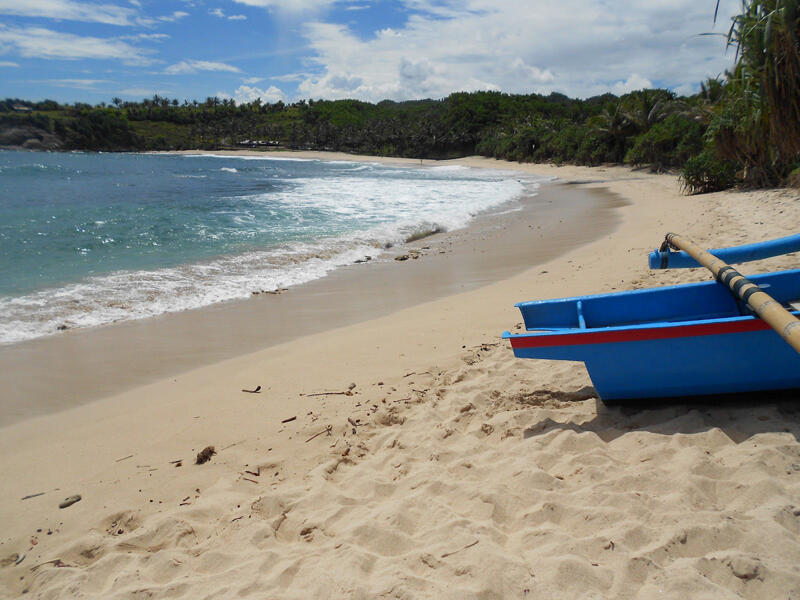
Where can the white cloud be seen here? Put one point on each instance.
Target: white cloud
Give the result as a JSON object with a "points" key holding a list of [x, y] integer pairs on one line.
{"points": [[146, 36], [37, 42], [252, 80], [175, 16], [245, 94], [293, 6], [82, 84], [69, 10], [218, 12], [8, 63], [143, 92], [631, 84], [578, 47], [291, 77], [193, 66]]}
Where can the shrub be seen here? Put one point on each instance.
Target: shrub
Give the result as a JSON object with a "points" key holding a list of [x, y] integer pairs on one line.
{"points": [[794, 178], [706, 173], [669, 143]]}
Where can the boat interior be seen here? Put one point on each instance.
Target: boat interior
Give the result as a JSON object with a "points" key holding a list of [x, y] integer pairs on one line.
{"points": [[680, 303]]}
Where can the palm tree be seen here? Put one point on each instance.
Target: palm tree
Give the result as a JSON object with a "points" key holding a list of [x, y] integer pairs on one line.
{"points": [[764, 117], [616, 124], [650, 107], [711, 90]]}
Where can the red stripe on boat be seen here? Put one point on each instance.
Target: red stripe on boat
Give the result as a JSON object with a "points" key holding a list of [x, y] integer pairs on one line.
{"points": [[637, 335]]}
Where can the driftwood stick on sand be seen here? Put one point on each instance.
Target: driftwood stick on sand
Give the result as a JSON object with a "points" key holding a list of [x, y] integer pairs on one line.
{"points": [[347, 393], [124, 458], [33, 495], [326, 430], [256, 390], [446, 554], [289, 420]]}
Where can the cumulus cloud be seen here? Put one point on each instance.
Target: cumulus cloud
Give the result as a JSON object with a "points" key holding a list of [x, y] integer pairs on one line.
{"points": [[578, 47], [37, 42], [193, 66], [631, 84], [245, 94]]}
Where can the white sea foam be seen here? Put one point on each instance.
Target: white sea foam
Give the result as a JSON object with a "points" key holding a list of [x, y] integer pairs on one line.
{"points": [[250, 157], [229, 170], [371, 212]]}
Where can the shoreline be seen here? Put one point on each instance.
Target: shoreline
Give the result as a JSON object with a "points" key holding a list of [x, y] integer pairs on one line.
{"points": [[450, 469], [57, 372]]}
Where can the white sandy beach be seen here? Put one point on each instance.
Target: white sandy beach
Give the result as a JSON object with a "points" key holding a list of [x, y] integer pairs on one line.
{"points": [[451, 470]]}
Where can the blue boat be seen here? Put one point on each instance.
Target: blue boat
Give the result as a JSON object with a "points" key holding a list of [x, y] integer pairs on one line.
{"points": [[683, 340]]}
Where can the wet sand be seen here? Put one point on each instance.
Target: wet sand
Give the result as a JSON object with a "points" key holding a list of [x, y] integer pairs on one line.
{"points": [[58, 372]]}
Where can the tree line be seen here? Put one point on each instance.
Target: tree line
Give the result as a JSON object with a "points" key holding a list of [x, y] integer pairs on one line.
{"points": [[740, 128]]}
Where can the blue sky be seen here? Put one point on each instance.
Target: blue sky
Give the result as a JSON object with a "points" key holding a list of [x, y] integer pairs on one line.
{"points": [[70, 50]]}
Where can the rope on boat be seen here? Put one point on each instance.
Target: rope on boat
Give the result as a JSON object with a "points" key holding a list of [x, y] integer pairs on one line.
{"points": [[771, 311]]}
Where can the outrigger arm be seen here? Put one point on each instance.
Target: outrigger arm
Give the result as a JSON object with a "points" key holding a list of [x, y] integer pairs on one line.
{"points": [[771, 311]]}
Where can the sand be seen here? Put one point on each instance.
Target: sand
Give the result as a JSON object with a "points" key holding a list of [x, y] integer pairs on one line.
{"points": [[451, 470]]}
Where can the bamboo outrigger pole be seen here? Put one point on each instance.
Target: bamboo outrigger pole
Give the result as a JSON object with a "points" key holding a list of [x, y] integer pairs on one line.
{"points": [[762, 303]]}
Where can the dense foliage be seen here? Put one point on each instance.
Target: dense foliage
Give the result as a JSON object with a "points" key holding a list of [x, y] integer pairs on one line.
{"points": [[514, 127], [755, 121]]}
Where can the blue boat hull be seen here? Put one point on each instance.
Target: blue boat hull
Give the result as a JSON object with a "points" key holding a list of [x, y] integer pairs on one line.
{"points": [[654, 344]]}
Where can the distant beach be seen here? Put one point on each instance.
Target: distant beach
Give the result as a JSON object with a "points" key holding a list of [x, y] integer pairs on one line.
{"points": [[394, 446]]}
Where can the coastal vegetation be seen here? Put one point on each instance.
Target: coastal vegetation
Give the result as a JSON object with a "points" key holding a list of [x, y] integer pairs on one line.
{"points": [[643, 127], [740, 128]]}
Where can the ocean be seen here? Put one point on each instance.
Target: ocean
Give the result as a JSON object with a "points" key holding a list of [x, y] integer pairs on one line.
{"points": [[89, 239]]}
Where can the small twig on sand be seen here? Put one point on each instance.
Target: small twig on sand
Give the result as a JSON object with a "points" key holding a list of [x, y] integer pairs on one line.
{"points": [[124, 458], [237, 518], [347, 393], [352, 422], [445, 555], [173, 462], [250, 480], [232, 445], [326, 430], [289, 420], [55, 562], [409, 374], [257, 390], [254, 473], [33, 495]]}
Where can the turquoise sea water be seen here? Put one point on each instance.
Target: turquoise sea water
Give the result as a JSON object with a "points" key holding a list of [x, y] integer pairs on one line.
{"points": [[88, 239]]}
